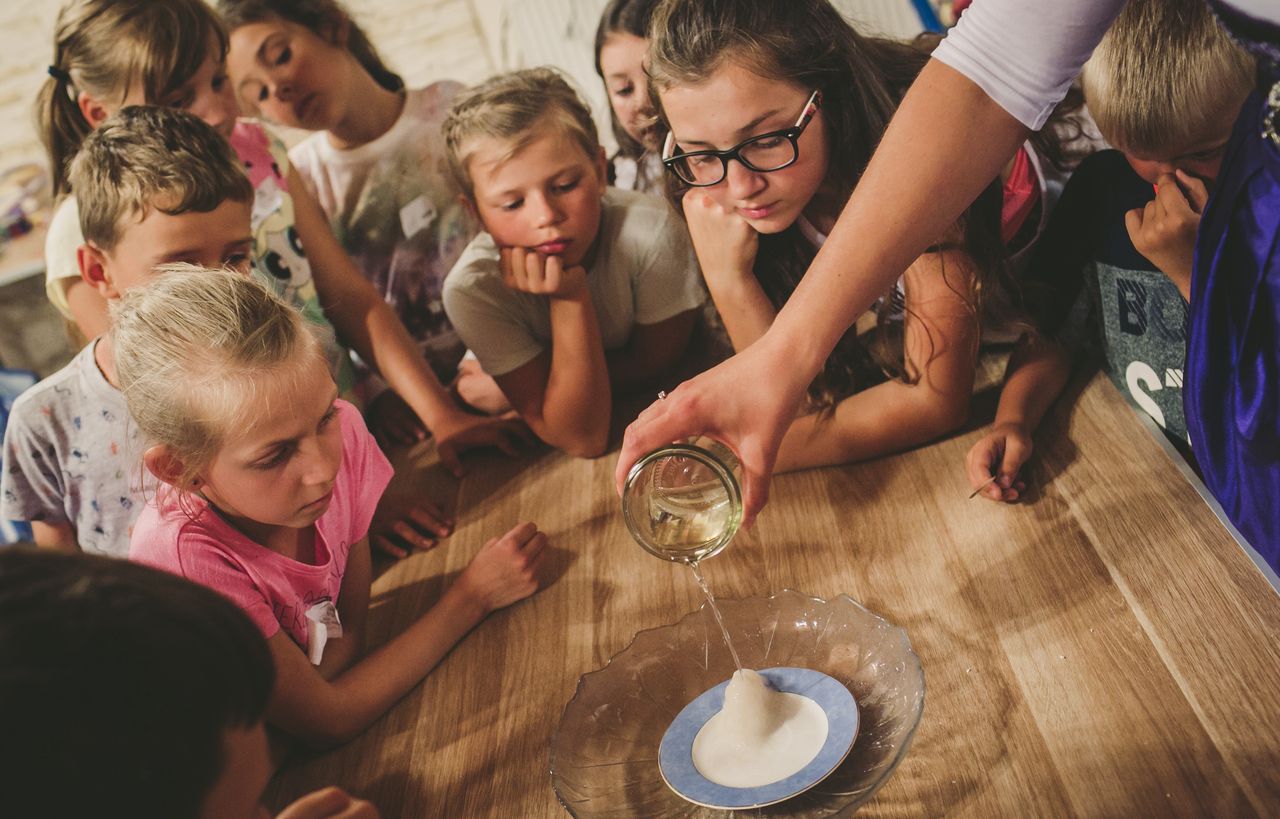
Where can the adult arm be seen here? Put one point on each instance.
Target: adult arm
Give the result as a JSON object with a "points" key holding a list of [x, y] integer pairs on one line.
{"points": [[914, 188], [940, 343]]}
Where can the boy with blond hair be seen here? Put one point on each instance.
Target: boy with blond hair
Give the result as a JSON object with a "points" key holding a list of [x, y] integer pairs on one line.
{"points": [[154, 185], [573, 290], [1114, 265]]}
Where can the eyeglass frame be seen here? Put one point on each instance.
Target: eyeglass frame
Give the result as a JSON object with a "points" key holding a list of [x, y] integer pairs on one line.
{"points": [[792, 134]]}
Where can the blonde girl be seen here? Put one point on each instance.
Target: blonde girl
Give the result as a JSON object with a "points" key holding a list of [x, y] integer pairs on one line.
{"points": [[374, 162], [622, 39], [112, 53], [774, 108], [270, 482]]}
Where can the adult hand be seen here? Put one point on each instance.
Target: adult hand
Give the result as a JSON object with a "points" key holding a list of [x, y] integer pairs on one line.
{"points": [[1002, 452], [528, 271], [1165, 230], [726, 245], [329, 803], [463, 431], [746, 403]]}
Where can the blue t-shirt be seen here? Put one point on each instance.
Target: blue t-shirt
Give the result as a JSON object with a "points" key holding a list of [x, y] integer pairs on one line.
{"points": [[1090, 287]]}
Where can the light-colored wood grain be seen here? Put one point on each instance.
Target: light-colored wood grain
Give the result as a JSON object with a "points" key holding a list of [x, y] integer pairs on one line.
{"points": [[1103, 650]]}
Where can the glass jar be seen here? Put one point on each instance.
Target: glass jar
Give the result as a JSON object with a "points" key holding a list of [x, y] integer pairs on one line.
{"points": [[682, 502]]}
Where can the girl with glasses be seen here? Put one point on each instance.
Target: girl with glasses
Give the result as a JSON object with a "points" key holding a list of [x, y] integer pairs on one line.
{"points": [[774, 108]]}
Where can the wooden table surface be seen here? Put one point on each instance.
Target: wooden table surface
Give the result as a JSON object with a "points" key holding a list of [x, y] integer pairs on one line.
{"points": [[1105, 649]]}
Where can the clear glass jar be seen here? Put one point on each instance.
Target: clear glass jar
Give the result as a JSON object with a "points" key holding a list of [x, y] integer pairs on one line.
{"points": [[682, 502]]}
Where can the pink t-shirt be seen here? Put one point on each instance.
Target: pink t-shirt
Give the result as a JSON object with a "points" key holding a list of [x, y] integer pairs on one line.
{"points": [[275, 591]]}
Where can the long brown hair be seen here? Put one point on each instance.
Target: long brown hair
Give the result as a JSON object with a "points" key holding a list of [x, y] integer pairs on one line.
{"points": [[623, 17], [323, 18], [102, 47], [862, 80]]}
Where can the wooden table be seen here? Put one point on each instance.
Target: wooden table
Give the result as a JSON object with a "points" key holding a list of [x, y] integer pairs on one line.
{"points": [[1105, 649]]}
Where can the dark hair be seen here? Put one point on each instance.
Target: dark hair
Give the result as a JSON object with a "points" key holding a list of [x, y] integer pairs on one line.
{"points": [[103, 46], [323, 18], [117, 685], [624, 17], [862, 80]]}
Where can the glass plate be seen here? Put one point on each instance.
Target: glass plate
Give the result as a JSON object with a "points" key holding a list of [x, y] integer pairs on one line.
{"points": [[604, 754]]}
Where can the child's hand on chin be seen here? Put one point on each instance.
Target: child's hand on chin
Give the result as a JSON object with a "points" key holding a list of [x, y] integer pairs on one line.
{"points": [[329, 803], [1006, 448], [420, 528], [1165, 230], [528, 271], [726, 245], [506, 569]]}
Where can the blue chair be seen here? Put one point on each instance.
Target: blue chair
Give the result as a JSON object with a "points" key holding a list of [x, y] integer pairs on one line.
{"points": [[12, 384]]}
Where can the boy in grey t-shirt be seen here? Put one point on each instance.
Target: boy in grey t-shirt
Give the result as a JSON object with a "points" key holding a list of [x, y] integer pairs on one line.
{"points": [[72, 463], [574, 290], [66, 455]]}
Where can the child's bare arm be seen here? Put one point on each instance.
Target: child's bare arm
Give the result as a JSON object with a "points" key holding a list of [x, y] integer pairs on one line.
{"points": [[1035, 376], [563, 394], [940, 343], [353, 610], [726, 247], [325, 713], [652, 351], [367, 323], [59, 537]]}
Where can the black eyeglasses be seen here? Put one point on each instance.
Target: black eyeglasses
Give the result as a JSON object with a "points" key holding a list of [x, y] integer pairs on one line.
{"points": [[763, 153]]}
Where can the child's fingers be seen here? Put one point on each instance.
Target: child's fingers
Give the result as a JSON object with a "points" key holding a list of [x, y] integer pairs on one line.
{"points": [[413, 536], [533, 548], [520, 534], [978, 465], [534, 272], [430, 517], [329, 803], [1016, 453], [1171, 201], [506, 264], [448, 455], [553, 273], [1133, 221], [384, 544], [1197, 191]]}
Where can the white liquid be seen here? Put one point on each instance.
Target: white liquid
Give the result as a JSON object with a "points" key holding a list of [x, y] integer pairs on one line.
{"points": [[760, 735]]}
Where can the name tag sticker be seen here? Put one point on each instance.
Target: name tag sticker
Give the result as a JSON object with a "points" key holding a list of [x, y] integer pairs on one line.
{"points": [[323, 625], [417, 216]]}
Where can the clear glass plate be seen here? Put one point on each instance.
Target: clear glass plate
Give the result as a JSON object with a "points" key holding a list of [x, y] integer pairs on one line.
{"points": [[604, 754]]}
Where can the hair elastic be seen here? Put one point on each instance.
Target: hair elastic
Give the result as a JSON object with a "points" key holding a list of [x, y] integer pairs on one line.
{"points": [[58, 74]]}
